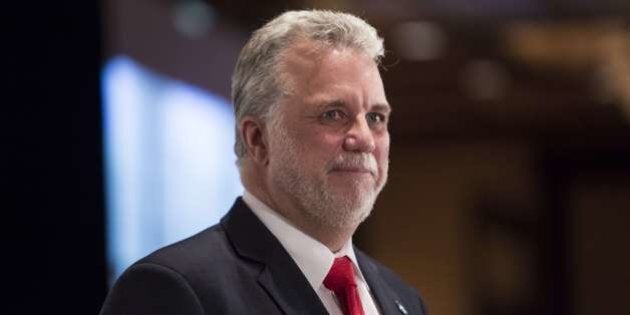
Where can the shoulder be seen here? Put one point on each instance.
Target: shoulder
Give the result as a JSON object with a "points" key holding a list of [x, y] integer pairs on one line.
{"points": [[169, 292], [183, 276], [164, 281], [208, 246], [203, 260]]}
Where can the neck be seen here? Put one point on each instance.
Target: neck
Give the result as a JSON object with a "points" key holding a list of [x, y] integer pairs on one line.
{"points": [[333, 237]]}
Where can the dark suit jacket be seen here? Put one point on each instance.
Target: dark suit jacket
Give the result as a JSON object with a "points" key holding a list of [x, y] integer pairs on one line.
{"points": [[238, 267]]}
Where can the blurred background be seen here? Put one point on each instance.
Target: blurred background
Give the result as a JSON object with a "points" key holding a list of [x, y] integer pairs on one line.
{"points": [[509, 188]]}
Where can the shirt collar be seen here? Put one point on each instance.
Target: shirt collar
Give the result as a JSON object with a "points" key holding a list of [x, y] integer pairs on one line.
{"points": [[312, 257]]}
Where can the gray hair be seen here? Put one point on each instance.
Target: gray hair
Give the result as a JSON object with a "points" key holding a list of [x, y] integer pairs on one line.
{"points": [[256, 86]]}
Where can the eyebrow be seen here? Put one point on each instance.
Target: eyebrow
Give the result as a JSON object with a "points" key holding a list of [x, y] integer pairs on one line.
{"points": [[331, 103], [383, 107]]}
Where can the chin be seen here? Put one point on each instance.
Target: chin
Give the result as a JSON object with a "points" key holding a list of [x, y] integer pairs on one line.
{"points": [[343, 220], [346, 209]]}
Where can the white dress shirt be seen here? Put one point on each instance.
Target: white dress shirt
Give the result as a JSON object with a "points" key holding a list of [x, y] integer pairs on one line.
{"points": [[312, 257]]}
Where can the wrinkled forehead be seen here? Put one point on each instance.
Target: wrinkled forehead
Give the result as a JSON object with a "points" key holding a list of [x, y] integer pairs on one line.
{"points": [[304, 58]]}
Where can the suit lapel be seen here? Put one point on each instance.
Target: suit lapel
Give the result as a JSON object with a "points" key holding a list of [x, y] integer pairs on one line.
{"points": [[382, 293], [280, 277]]}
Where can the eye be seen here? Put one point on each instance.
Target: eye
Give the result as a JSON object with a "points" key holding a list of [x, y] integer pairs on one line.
{"points": [[333, 115], [375, 118]]}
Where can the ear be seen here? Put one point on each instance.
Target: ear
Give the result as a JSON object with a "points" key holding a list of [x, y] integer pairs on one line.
{"points": [[254, 139]]}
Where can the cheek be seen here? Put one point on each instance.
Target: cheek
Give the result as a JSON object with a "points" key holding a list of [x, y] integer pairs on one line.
{"points": [[326, 143], [318, 148], [382, 148]]}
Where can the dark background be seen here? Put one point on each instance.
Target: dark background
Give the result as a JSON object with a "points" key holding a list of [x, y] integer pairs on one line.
{"points": [[54, 239], [515, 205]]}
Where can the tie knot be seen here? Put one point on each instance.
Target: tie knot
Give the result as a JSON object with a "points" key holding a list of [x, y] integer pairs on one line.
{"points": [[341, 275]]}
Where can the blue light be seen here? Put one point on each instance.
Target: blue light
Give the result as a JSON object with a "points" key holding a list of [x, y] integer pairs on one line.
{"points": [[169, 161]]}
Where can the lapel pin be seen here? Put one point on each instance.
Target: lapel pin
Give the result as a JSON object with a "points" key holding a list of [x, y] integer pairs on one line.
{"points": [[401, 308]]}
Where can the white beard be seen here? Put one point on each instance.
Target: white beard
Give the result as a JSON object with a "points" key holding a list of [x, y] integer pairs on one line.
{"points": [[325, 205]]}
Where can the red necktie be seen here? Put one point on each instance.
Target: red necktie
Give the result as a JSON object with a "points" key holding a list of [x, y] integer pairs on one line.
{"points": [[340, 279]]}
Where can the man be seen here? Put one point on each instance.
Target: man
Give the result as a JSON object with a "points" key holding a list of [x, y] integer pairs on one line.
{"points": [[312, 146]]}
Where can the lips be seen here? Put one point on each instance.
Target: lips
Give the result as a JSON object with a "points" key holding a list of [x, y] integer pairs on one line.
{"points": [[352, 170]]}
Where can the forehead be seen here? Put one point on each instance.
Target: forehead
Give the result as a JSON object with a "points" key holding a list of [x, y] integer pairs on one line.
{"points": [[309, 68]]}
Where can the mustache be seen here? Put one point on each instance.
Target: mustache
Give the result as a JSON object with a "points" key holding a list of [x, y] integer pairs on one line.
{"points": [[354, 162]]}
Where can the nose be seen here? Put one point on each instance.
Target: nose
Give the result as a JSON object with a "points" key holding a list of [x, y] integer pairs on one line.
{"points": [[359, 137]]}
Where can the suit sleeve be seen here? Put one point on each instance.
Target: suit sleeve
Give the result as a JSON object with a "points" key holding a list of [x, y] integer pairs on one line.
{"points": [[148, 288]]}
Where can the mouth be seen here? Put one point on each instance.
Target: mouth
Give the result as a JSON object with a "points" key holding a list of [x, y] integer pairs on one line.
{"points": [[353, 171]]}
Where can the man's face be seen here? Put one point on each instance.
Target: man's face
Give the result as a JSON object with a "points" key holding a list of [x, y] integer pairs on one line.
{"points": [[328, 140]]}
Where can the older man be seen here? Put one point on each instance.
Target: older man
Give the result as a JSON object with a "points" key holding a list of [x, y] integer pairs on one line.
{"points": [[312, 146]]}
